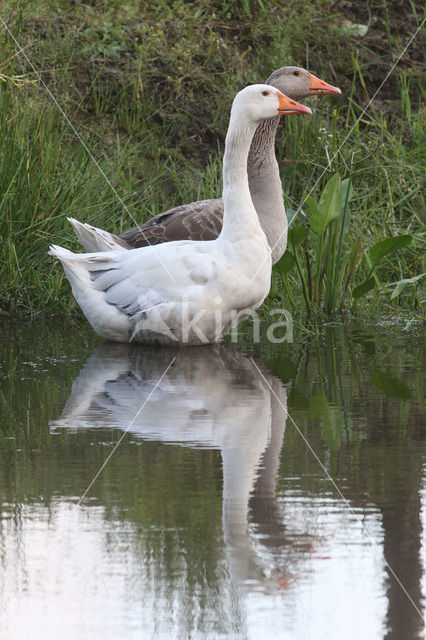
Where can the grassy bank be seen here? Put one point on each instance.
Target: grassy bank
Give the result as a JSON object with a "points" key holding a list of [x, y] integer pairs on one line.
{"points": [[148, 87]]}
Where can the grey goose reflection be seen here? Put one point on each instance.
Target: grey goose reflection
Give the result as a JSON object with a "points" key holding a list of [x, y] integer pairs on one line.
{"points": [[211, 397]]}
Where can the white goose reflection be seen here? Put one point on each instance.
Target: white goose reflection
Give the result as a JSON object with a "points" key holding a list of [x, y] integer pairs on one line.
{"points": [[214, 397]]}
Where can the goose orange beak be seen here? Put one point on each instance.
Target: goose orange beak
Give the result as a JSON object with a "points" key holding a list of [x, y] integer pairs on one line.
{"points": [[318, 86], [287, 106]]}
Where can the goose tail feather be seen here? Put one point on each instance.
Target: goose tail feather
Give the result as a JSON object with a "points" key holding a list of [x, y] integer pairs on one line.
{"points": [[73, 265], [93, 239], [106, 319]]}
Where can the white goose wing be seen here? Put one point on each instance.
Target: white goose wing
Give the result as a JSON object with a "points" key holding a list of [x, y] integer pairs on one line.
{"points": [[137, 280], [148, 277]]}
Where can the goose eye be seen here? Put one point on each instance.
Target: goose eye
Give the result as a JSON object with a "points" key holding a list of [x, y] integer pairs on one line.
{"points": [[296, 73], [265, 93]]}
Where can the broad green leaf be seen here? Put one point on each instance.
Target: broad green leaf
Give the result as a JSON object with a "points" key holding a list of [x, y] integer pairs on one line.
{"points": [[297, 235], [290, 213], [401, 284], [346, 184], [329, 205], [363, 288], [353, 256], [345, 222], [311, 204], [385, 247], [285, 263], [332, 189], [389, 385]]}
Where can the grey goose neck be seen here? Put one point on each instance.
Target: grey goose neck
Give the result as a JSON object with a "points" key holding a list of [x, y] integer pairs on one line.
{"points": [[266, 188], [262, 148]]}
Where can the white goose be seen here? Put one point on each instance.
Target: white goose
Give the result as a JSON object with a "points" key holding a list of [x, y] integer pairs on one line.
{"points": [[202, 220], [187, 292]]}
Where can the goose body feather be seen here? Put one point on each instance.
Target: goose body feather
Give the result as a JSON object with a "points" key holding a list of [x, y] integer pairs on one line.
{"points": [[154, 295]]}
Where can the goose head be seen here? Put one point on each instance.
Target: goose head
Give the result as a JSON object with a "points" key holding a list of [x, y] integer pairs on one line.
{"points": [[259, 102], [297, 83]]}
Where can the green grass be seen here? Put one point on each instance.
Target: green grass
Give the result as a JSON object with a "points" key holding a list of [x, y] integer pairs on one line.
{"points": [[148, 88]]}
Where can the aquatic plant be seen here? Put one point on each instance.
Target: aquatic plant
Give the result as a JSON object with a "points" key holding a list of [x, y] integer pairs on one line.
{"points": [[327, 267]]}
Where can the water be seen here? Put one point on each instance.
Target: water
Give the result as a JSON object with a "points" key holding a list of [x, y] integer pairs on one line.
{"points": [[222, 493]]}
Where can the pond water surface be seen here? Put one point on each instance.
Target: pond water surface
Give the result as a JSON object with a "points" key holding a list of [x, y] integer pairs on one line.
{"points": [[226, 492]]}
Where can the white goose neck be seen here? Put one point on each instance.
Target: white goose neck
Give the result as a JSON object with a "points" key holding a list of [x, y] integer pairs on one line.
{"points": [[239, 213]]}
